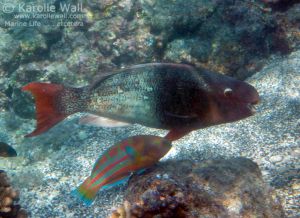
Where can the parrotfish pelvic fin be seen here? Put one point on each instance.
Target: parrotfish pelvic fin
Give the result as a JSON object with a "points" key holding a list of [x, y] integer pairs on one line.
{"points": [[175, 134], [86, 192]]}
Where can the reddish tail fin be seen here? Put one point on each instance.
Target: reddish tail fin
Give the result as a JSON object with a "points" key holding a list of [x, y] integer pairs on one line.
{"points": [[47, 113]]}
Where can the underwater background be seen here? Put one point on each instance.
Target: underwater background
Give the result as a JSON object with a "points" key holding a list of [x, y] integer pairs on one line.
{"points": [[249, 168]]}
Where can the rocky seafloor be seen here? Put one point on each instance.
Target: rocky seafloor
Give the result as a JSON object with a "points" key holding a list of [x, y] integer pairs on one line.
{"points": [[50, 166], [257, 40]]}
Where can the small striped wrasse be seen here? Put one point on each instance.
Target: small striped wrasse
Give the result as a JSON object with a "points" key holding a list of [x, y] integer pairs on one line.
{"points": [[117, 164]]}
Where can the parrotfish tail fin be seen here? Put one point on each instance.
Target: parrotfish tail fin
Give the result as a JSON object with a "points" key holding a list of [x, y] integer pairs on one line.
{"points": [[86, 192], [47, 114], [51, 102], [176, 134]]}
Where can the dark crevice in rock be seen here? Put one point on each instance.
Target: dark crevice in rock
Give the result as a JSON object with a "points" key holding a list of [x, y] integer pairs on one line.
{"points": [[282, 5]]}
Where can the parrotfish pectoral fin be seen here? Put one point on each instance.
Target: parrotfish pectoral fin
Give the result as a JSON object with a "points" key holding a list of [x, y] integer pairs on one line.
{"points": [[98, 121], [176, 134], [47, 115], [86, 192], [115, 183]]}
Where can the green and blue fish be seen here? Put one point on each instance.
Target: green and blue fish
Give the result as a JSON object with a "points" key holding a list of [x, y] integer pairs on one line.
{"points": [[117, 164]]}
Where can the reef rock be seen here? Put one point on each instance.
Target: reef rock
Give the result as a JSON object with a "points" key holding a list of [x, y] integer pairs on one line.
{"points": [[7, 197], [212, 188]]}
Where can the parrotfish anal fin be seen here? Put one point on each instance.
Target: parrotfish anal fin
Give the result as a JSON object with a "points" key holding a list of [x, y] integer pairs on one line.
{"points": [[94, 120], [115, 183], [176, 134]]}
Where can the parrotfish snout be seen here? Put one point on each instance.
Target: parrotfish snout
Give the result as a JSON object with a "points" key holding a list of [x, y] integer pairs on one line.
{"points": [[229, 99]]}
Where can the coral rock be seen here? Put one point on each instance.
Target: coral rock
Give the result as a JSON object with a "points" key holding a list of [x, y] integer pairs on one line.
{"points": [[7, 198], [213, 188]]}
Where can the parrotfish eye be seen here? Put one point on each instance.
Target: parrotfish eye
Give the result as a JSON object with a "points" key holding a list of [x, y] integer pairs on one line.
{"points": [[228, 92]]}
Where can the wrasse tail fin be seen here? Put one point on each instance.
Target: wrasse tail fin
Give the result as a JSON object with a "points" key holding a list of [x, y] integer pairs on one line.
{"points": [[176, 134], [47, 115], [86, 192]]}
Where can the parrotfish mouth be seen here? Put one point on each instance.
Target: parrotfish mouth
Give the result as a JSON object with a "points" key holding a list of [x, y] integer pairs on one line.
{"points": [[253, 104], [252, 107]]}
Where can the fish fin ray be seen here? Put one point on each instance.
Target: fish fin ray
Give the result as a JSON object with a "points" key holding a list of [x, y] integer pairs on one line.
{"points": [[99, 121], [47, 115], [106, 75], [99, 79]]}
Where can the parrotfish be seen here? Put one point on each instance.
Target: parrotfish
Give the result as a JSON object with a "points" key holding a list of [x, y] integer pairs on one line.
{"points": [[176, 97], [118, 163], [6, 150]]}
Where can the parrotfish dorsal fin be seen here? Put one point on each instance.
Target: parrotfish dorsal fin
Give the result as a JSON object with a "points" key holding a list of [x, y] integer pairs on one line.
{"points": [[99, 79]]}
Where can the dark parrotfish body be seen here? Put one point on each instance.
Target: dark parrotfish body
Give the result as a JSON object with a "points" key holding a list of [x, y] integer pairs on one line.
{"points": [[176, 97], [116, 165]]}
